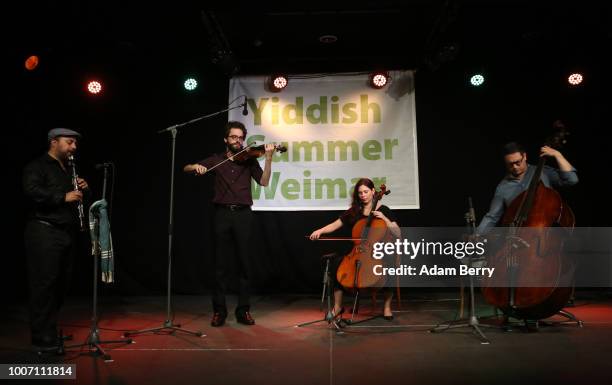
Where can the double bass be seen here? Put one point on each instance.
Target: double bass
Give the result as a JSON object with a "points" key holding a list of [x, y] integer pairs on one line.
{"points": [[356, 268], [538, 222]]}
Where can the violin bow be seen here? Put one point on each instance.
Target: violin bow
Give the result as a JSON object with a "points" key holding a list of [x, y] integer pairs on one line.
{"points": [[229, 158]]}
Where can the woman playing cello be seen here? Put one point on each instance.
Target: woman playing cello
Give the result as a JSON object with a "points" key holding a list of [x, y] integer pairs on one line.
{"points": [[361, 207]]}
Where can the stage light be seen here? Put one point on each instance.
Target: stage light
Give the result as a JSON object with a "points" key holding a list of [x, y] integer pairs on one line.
{"points": [[379, 79], [94, 87], [31, 63], [277, 82], [477, 80], [575, 79], [191, 84]]}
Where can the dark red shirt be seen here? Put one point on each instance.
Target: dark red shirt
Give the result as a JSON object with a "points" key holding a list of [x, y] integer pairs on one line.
{"points": [[233, 180]]}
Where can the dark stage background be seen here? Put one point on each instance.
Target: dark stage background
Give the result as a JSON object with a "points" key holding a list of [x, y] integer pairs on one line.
{"points": [[460, 131]]}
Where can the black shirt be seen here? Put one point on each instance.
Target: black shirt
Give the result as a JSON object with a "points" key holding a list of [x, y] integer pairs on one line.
{"points": [[45, 184], [348, 219], [233, 179]]}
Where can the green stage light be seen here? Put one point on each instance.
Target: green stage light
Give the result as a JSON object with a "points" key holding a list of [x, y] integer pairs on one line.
{"points": [[477, 80], [191, 84]]}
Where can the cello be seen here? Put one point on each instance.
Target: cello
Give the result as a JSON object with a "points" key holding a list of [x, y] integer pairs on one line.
{"points": [[532, 263], [356, 268]]}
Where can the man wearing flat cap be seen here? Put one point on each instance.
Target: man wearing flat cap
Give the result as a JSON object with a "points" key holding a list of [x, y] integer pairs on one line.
{"points": [[50, 233]]}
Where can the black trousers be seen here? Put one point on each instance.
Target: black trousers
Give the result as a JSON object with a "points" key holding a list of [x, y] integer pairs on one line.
{"points": [[50, 254], [232, 233]]}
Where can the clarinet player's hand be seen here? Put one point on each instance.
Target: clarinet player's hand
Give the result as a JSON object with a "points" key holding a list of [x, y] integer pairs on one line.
{"points": [[74, 196], [82, 183]]}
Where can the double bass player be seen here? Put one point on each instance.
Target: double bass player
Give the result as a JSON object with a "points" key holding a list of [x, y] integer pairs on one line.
{"points": [[517, 179]]}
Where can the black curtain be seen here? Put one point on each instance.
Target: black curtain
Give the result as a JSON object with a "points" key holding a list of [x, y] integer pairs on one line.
{"points": [[460, 130]]}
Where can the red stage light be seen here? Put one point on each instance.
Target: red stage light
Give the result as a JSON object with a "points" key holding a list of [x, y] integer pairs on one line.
{"points": [[575, 79], [94, 87], [277, 82], [31, 63], [379, 79]]}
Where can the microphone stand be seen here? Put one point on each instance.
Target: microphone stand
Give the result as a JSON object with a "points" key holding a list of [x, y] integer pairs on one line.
{"points": [[328, 293], [169, 323], [472, 322], [93, 342]]}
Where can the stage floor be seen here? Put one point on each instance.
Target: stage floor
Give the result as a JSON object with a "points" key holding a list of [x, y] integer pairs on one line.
{"points": [[274, 351]]}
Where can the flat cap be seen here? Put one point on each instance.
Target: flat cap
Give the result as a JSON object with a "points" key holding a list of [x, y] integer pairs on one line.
{"points": [[55, 132]]}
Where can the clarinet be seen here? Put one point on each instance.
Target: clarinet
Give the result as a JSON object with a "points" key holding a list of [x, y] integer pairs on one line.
{"points": [[75, 184]]}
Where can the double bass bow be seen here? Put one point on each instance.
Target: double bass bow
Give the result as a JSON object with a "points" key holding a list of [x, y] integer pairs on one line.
{"points": [[534, 271]]}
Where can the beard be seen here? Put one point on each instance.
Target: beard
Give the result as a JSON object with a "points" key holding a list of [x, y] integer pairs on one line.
{"points": [[234, 148], [64, 155]]}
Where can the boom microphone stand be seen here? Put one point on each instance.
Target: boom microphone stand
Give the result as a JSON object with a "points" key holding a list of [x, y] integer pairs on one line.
{"points": [[169, 323]]}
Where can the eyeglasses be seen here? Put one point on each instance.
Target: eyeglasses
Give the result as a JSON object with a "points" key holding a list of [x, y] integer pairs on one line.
{"points": [[516, 162], [236, 137]]}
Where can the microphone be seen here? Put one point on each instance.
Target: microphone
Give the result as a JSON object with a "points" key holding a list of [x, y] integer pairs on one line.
{"points": [[103, 165], [245, 111], [471, 213]]}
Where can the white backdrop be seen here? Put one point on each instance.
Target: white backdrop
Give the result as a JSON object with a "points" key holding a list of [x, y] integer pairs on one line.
{"points": [[337, 129]]}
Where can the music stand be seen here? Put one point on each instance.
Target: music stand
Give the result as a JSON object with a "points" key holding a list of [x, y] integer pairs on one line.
{"points": [[169, 322], [472, 321], [330, 318], [93, 342]]}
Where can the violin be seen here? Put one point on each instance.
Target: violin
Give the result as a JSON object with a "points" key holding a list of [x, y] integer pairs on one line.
{"points": [[249, 152], [254, 152], [356, 269]]}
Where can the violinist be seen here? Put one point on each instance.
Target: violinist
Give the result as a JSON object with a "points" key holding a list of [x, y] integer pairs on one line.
{"points": [[361, 206], [519, 173], [233, 216]]}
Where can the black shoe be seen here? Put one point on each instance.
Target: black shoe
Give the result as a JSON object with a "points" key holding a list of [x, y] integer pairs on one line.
{"points": [[388, 317], [532, 326], [218, 319], [46, 345], [245, 318]]}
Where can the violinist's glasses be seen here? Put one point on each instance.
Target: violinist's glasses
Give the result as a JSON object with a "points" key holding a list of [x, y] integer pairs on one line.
{"points": [[236, 137]]}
